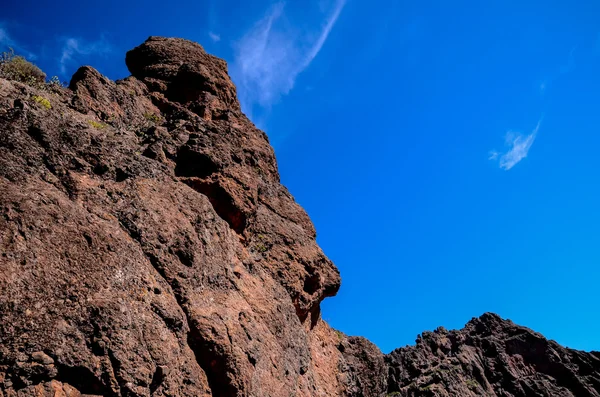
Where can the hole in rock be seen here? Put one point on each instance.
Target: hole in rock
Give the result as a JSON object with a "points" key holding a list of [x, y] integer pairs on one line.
{"points": [[191, 163]]}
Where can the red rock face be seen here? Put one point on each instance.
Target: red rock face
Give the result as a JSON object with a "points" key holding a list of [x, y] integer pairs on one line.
{"points": [[147, 248]]}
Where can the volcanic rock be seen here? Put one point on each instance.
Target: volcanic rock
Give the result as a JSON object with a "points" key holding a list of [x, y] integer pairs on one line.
{"points": [[147, 248], [491, 357]]}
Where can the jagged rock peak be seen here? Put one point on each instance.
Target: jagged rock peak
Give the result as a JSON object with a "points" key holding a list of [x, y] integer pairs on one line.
{"points": [[491, 356], [182, 70]]}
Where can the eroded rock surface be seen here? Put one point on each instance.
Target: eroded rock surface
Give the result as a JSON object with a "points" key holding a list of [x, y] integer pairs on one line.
{"points": [[491, 357], [147, 248]]}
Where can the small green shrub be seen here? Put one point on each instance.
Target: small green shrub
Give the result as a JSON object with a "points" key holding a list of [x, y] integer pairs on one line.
{"points": [[15, 67], [472, 384], [96, 124], [55, 82], [42, 101], [152, 117]]}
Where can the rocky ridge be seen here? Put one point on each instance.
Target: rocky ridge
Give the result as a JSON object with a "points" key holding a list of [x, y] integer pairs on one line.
{"points": [[147, 248]]}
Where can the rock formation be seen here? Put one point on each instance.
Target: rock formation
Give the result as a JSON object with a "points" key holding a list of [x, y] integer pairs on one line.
{"points": [[147, 248], [491, 357]]}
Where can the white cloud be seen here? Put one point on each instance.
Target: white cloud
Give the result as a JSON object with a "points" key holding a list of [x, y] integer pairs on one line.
{"points": [[74, 48], [214, 37], [324, 33], [269, 57], [6, 41], [518, 146]]}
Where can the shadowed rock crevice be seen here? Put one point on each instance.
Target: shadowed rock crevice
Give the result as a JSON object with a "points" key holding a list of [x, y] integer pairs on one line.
{"points": [[209, 356], [214, 363], [116, 369], [83, 380], [222, 201], [191, 163], [39, 136]]}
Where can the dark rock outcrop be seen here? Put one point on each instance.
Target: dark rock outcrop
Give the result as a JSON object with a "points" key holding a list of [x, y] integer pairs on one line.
{"points": [[491, 357], [147, 248]]}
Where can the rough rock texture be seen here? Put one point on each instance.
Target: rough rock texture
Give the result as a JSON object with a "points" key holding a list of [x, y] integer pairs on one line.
{"points": [[147, 245], [491, 357], [147, 248]]}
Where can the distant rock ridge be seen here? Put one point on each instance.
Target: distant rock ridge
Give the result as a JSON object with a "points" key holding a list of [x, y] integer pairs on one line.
{"points": [[147, 248], [491, 357]]}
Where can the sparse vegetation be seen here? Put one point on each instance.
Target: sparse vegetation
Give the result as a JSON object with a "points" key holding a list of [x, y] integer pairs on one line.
{"points": [[259, 171], [55, 83], [96, 124], [141, 134], [156, 119], [472, 384], [261, 247], [426, 388], [42, 101], [17, 68], [54, 80]]}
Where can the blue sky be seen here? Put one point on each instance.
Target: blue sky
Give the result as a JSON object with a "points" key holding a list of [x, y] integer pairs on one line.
{"points": [[447, 152]]}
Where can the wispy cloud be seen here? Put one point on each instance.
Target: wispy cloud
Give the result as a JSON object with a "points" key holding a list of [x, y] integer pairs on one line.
{"points": [[518, 146], [493, 155], [74, 49], [214, 37], [4, 37], [213, 21], [7, 41], [269, 57], [324, 34]]}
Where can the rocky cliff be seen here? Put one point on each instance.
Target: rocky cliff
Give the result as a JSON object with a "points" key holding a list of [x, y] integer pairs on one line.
{"points": [[147, 248], [491, 357]]}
